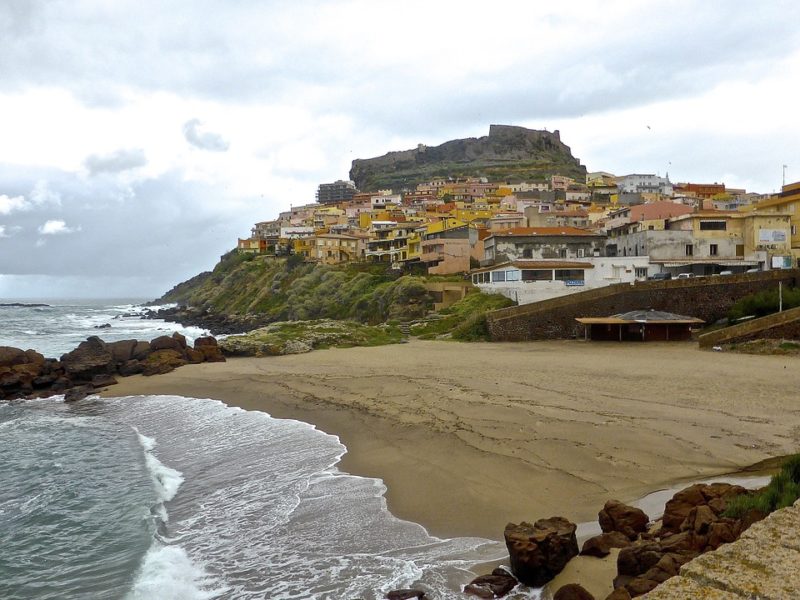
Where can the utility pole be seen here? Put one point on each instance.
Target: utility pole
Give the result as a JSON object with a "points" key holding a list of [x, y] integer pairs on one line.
{"points": [[780, 296], [784, 174]]}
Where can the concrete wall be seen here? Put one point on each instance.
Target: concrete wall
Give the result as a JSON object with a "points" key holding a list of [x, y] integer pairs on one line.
{"points": [[708, 299], [782, 325]]}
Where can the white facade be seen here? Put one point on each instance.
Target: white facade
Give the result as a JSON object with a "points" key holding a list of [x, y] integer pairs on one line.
{"points": [[644, 183], [510, 279]]}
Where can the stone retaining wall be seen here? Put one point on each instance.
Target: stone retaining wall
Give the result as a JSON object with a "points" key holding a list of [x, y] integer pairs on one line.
{"points": [[707, 298], [780, 326]]}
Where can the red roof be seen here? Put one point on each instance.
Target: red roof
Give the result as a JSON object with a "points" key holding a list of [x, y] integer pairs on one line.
{"points": [[658, 210]]}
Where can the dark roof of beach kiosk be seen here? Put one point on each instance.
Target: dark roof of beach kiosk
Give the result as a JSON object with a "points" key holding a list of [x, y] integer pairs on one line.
{"points": [[651, 317]]}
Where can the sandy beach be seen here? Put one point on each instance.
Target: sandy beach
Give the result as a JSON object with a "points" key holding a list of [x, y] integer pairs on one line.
{"points": [[468, 437]]}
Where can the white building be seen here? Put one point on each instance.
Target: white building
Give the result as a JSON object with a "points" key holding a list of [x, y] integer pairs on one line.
{"points": [[637, 183], [526, 281]]}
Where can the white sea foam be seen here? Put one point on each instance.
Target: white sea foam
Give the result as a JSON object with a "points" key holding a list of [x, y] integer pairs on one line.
{"points": [[166, 480], [168, 572]]}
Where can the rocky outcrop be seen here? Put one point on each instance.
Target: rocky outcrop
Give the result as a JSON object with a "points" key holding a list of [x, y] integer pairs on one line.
{"points": [[540, 551], [693, 524], [627, 520], [95, 363], [297, 337], [508, 153], [496, 585]]}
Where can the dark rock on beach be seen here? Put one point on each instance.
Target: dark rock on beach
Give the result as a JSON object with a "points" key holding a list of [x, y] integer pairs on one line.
{"points": [[572, 591], [627, 520], [217, 323], [601, 545], [406, 595], [540, 551], [496, 585]]}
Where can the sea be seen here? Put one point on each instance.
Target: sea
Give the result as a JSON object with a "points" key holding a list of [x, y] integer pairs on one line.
{"points": [[167, 497]]}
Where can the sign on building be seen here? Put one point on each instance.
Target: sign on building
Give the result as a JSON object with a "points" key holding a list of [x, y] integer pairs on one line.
{"points": [[781, 262], [771, 236]]}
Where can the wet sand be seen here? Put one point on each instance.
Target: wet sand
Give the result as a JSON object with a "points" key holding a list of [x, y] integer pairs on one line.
{"points": [[468, 437]]}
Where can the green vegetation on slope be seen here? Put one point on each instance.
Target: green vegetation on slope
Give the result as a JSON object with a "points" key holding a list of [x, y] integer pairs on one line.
{"points": [[288, 289], [465, 320], [783, 490], [763, 303]]}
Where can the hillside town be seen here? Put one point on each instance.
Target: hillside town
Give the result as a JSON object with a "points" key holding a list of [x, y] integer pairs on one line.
{"points": [[532, 241]]}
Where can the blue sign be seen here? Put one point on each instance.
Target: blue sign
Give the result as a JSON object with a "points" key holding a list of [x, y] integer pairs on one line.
{"points": [[573, 281]]}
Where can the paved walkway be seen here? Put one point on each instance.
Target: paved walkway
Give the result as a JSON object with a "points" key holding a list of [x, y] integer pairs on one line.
{"points": [[763, 564]]}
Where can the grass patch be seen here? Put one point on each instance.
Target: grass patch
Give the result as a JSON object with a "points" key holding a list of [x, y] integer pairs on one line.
{"points": [[783, 490], [465, 320]]}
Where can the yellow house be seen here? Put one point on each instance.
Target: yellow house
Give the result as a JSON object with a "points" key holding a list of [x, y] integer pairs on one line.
{"points": [[787, 203], [335, 248]]}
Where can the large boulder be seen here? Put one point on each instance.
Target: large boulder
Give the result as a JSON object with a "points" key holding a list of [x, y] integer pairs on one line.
{"points": [[165, 342], [141, 351], [628, 520], [162, 361], [496, 585], [122, 351], [715, 495], [90, 358], [208, 347], [10, 356], [540, 551], [600, 545]]}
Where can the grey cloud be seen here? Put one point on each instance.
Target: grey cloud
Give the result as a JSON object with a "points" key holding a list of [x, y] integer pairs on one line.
{"points": [[146, 230], [205, 140], [116, 162]]}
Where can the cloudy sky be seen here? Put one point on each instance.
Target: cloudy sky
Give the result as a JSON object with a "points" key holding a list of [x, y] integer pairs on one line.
{"points": [[138, 138]]}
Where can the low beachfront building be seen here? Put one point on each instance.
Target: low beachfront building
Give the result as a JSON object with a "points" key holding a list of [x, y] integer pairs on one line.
{"points": [[640, 326], [527, 281]]}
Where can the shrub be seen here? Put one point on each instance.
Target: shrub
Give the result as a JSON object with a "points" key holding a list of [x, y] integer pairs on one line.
{"points": [[763, 303], [783, 490]]}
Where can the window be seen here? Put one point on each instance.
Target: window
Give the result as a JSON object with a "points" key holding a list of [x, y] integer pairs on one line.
{"points": [[512, 275], [527, 253], [563, 253], [689, 250], [537, 275], [641, 272], [713, 250], [569, 274], [580, 252], [739, 249], [713, 225], [498, 276], [794, 229]]}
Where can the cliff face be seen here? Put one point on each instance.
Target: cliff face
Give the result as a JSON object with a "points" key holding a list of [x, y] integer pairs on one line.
{"points": [[508, 153]]}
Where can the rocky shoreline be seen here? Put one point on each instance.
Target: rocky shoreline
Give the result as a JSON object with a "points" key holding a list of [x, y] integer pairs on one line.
{"points": [[94, 364], [216, 323], [649, 552]]}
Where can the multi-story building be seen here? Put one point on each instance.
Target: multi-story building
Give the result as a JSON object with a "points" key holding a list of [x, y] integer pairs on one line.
{"points": [[335, 248], [542, 243], [638, 183], [338, 191]]}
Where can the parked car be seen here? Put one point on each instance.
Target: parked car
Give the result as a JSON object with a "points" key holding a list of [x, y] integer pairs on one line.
{"points": [[660, 276], [753, 270], [685, 276], [726, 272]]}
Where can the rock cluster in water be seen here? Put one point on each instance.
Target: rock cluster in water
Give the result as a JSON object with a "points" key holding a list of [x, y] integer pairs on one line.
{"points": [[95, 363]]}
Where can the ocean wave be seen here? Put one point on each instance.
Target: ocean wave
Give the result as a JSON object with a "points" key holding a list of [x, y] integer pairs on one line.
{"points": [[165, 479], [168, 572]]}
